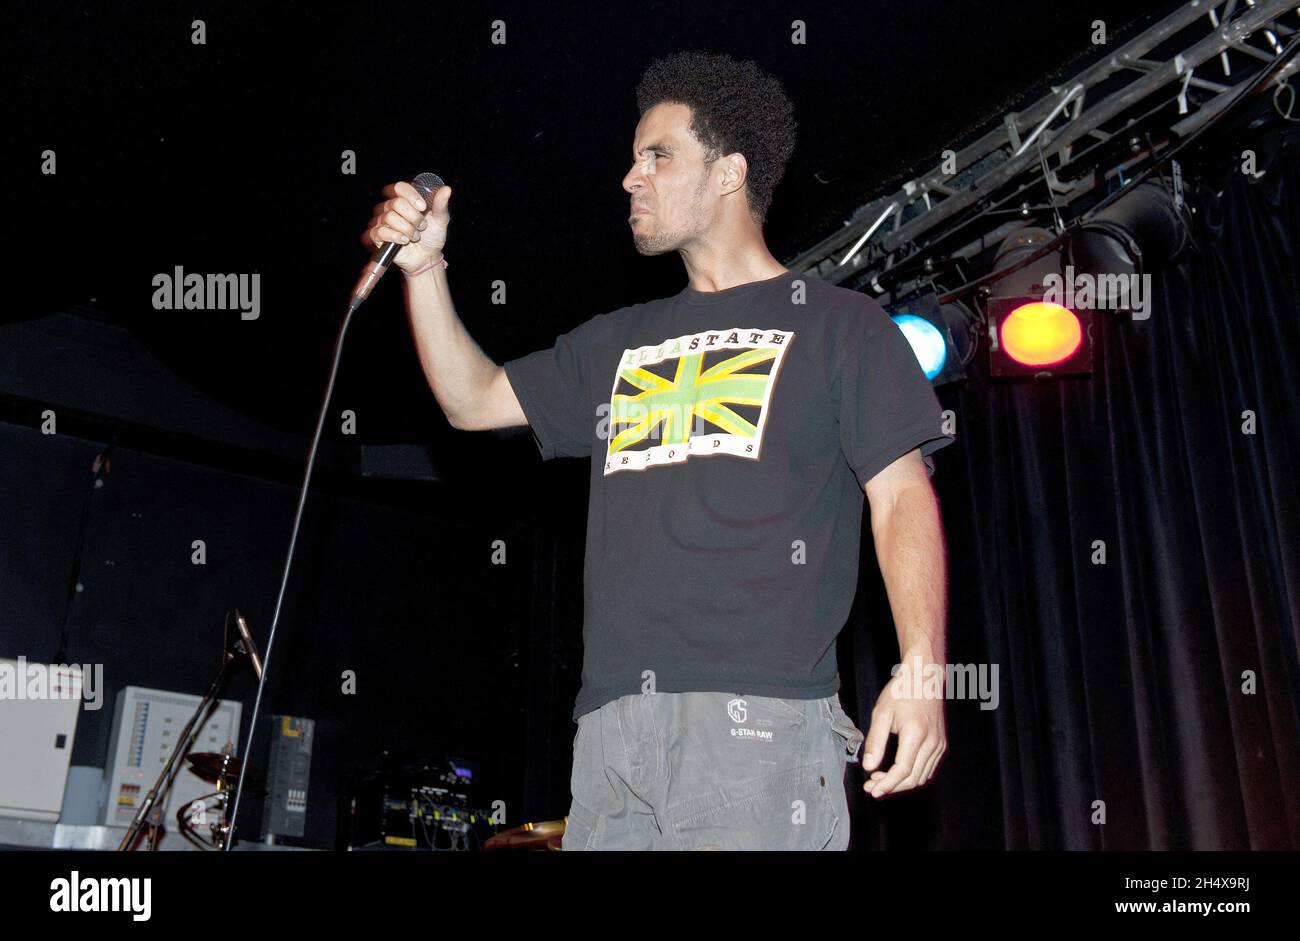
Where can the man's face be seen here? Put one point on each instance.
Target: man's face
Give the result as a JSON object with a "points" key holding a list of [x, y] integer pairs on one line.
{"points": [[670, 204]]}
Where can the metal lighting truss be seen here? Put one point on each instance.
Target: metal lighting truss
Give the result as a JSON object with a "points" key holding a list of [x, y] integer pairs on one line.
{"points": [[1066, 145]]}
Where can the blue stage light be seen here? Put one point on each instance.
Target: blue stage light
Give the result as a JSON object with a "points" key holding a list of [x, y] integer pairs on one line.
{"points": [[927, 342]]}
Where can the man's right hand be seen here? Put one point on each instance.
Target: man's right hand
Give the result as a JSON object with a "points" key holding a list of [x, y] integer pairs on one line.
{"points": [[404, 217]]}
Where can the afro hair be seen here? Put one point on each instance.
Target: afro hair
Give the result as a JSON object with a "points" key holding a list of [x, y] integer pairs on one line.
{"points": [[735, 107]]}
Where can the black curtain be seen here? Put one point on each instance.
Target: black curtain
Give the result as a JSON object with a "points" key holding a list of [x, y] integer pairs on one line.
{"points": [[1163, 682]]}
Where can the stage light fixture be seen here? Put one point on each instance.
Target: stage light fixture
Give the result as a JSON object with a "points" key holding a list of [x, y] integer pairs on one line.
{"points": [[926, 341], [1031, 333], [1116, 250], [926, 326], [1041, 334]]}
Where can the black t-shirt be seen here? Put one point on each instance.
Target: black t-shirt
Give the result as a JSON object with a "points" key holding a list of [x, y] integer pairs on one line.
{"points": [[731, 434]]}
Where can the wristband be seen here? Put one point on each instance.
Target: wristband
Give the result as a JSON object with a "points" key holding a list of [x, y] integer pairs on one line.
{"points": [[441, 261]]}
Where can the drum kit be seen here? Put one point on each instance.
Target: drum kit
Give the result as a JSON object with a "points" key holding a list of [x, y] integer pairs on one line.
{"points": [[204, 822], [425, 801], [545, 835]]}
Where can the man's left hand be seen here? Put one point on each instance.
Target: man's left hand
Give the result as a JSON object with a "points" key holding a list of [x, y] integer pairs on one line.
{"points": [[922, 739]]}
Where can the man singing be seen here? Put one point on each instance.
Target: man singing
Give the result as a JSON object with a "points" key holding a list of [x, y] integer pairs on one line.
{"points": [[733, 430]]}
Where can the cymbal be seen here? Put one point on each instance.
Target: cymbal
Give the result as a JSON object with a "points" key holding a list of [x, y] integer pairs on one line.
{"points": [[212, 766], [543, 835]]}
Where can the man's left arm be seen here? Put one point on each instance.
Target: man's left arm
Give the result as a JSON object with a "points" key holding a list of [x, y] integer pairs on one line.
{"points": [[908, 535]]}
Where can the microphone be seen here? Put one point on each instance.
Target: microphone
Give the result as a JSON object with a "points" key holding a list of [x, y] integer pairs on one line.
{"points": [[246, 643], [425, 184]]}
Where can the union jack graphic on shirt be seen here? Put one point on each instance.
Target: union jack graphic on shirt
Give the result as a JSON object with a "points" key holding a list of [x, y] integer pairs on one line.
{"points": [[690, 396]]}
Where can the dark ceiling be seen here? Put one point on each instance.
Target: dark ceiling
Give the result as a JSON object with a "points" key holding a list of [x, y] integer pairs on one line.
{"points": [[225, 158]]}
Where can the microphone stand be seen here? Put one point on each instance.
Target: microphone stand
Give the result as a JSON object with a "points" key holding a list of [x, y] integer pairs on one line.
{"points": [[426, 184], [288, 564], [184, 743]]}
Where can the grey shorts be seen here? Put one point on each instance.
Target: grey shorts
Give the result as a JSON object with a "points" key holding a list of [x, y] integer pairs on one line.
{"points": [[722, 771]]}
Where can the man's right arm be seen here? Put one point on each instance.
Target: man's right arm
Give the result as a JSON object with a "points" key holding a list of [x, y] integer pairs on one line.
{"points": [[472, 390]]}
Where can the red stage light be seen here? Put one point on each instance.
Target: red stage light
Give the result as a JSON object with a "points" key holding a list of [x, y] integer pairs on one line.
{"points": [[1041, 334]]}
